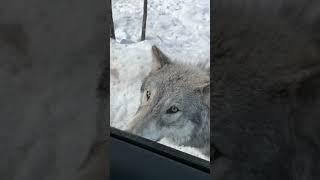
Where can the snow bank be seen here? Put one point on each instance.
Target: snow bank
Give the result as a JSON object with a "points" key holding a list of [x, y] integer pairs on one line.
{"points": [[181, 28]]}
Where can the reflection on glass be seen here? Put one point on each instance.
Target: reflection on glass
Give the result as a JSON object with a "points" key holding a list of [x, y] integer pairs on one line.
{"points": [[160, 86]]}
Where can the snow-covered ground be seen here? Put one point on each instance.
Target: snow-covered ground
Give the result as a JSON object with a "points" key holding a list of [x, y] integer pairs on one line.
{"points": [[181, 28]]}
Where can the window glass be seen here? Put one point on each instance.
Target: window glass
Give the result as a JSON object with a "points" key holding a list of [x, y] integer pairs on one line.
{"points": [[159, 72]]}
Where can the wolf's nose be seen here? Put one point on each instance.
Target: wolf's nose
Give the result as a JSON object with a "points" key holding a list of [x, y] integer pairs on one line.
{"points": [[131, 128]]}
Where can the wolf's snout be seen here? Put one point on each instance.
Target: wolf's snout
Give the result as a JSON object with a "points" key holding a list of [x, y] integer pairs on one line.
{"points": [[137, 123], [134, 126], [141, 128], [131, 128]]}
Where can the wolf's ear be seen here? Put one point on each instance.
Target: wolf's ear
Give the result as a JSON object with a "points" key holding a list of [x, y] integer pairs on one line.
{"points": [[159, 59], [204, 90]]}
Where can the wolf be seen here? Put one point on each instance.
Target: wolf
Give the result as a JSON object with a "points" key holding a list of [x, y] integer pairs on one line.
{"points": [[174, 104]]}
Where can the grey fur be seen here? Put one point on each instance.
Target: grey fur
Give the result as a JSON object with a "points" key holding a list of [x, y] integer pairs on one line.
{"points": [[171, 84]]}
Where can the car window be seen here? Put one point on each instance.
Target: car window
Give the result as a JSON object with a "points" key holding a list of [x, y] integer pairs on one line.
{"points": [[159, 72]]}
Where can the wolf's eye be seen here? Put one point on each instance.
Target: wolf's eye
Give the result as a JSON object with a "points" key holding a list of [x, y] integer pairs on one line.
{"points": [[148, 94], [172, 109]]}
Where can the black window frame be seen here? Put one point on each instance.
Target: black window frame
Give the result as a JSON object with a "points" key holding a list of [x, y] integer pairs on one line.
{"points": [[162, 150]]}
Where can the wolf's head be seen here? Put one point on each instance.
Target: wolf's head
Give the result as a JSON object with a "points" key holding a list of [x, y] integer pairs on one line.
{"points": [[174, 104]]}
